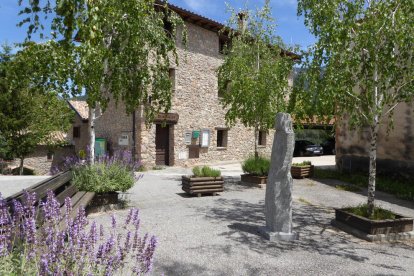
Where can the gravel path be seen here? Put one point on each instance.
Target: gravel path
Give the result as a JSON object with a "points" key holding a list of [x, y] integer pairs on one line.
{"points": [[11, 184], [218, 235]]}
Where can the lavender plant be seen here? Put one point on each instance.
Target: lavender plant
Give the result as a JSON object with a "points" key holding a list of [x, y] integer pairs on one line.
{"points": [[109, 173], [81, 248]]}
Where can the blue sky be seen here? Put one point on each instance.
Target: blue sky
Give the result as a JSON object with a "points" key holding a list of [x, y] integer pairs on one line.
{"points": [[290, 27]]}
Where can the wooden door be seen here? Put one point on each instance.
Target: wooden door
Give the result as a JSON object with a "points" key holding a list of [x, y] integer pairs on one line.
{"points": [[162, 145]]}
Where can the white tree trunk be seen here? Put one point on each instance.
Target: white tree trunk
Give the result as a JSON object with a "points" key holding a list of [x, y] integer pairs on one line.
{"points": [[91, 129], [372, 167]]}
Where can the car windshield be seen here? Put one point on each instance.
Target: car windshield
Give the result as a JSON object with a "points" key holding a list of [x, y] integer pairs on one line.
{"points": [[308, 143]]}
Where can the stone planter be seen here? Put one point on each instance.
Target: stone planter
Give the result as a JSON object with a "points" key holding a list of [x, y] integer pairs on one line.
{"points": [[301, 171], [374, 230], [254, 180], [104, 199], [202, 185]]}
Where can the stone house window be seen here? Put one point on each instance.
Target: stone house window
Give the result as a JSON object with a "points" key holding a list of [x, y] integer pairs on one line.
{"points": [[76, 132], [261, 141], [222, 138], [49, 155], [171, 75]]}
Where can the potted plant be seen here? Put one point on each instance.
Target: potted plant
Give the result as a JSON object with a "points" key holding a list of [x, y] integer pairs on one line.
{"points": [[106, 177], [204, 180], [302, 170], [382, 225], [255, 171]]}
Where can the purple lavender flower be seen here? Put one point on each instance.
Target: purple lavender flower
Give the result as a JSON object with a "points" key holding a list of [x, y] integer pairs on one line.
{"points": [[76, 250]]}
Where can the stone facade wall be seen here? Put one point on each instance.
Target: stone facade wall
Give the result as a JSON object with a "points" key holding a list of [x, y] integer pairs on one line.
{"points": [[113, 123], [196, 101], [81, 142], [39, 162], [395, 151]]}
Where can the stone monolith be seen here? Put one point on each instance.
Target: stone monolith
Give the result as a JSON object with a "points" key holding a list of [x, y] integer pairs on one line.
{"points": [[278, 201]]}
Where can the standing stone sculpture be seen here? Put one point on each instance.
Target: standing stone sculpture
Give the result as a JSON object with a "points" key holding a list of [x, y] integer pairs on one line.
{"points": [[278, 201]]}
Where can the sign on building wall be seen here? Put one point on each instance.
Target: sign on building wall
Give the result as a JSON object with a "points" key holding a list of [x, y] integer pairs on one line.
{"points": [[123, 140], [183, 155], [187, 137], [205, 138]]}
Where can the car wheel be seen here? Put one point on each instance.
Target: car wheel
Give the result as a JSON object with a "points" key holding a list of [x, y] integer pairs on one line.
{"points": [[301, 153]]}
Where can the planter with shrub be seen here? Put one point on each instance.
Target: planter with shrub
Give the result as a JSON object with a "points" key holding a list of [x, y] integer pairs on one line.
{"points": [[204, 180], [302, 170], [255, 171], [108, 176], [382, 225]]}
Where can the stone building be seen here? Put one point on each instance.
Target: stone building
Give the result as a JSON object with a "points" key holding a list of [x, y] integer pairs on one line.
{"points": [[395, 152], [44, 157], [195, 130]]}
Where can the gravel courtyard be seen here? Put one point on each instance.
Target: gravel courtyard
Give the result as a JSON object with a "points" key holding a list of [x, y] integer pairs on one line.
{"points": [[217, 235]]}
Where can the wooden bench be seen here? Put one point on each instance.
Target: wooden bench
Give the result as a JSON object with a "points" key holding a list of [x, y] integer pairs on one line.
{"points": [[62, 187]]}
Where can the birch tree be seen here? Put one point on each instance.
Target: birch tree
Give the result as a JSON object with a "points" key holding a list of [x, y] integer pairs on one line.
{"points": [[253, 79], [108, 49], [362, 63]]}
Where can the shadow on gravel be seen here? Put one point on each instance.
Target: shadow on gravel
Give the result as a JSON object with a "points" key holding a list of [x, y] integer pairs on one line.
{"points": [[312, 222], [183, 269], [378, 195]]}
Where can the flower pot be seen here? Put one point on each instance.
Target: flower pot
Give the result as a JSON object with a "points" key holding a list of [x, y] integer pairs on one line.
{"points": [[301, 171], [254, 180], [202, 185]]}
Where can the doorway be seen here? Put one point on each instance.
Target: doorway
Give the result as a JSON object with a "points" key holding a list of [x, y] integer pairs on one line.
{"points": [[162, 145]]}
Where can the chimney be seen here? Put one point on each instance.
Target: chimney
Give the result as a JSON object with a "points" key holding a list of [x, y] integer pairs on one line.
{"points": [[242, 21]]}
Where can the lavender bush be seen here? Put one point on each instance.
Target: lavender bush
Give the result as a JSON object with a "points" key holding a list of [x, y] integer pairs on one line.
{"points": [[107, 174], [83, 248]]}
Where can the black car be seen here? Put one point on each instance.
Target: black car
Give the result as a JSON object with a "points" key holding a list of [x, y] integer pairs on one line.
{"points": [[305, 147], [329, 146]]}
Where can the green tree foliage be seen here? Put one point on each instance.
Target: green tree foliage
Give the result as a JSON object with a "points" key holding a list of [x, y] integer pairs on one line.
{"points": [[28, 113], [109, 49], [253, 80], [362, 65]]}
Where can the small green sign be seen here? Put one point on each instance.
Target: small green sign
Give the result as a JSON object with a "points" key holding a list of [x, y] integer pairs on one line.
{"points": [[196, 134]]}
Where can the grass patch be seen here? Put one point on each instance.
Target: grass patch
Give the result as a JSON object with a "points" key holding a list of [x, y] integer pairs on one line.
{"points": [[158, 168], [310, 184], [403, 189], [362, 211], [348, 188]]}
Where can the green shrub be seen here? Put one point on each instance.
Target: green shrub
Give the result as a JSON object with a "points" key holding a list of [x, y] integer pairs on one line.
{"points": [[103, 178], [197, 171], [302, 164], [258, 166], [206, 171]]}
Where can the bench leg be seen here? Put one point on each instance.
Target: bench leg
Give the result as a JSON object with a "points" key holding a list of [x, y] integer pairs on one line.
{"points": [[198, 195]]}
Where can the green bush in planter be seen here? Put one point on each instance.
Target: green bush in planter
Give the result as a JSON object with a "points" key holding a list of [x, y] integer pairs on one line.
{"points": [[103, 178], [303, 164], [258, 166], [206, 172]]}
